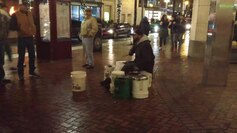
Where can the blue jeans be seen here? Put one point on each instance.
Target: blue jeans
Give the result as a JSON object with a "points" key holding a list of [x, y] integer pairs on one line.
{"points": [[2, 51], [88, 49], [23, 44]]}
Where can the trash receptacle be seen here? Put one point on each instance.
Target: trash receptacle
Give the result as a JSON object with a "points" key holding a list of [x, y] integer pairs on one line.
{"points": [[140, 87], [78, 81], [123, 86]]}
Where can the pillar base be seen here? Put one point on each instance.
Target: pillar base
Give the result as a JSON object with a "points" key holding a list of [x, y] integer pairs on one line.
{"points": [[196, 49]]}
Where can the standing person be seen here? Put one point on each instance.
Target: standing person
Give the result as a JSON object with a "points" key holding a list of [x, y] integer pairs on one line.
{"points": [[89, 28], [144, 26], [8, 49], [3, 11], [164, 23], [24, 25], [4, 30]]}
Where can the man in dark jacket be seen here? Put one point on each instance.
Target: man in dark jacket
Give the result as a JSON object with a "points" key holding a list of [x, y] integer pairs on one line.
{"points": [[144, 57]]}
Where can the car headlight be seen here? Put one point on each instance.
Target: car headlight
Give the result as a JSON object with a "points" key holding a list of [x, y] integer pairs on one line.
{"points": [[156, 28], [111, 31], [188, 26]]}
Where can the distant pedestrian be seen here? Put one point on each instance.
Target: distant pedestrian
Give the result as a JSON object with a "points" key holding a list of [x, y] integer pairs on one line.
{"points": [[24, 24], [163, 33], [89, 28], [144, 26], [4, 30]]}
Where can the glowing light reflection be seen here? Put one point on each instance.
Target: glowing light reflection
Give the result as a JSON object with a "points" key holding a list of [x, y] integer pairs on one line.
{"points": [[111, 50], [12, 10], [184, 51], [154, 42]]}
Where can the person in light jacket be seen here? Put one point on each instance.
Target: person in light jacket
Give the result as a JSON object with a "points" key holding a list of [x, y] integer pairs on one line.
{"points": [[89, 28]]}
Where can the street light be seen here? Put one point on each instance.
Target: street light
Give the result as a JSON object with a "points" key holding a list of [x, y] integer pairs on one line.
{"points": [[186, 2]]}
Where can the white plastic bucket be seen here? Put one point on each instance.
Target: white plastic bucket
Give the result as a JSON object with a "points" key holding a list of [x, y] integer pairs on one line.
{"points": [[140, 87], [114, 75], [119, 65], [149, 75], [78, 80]]}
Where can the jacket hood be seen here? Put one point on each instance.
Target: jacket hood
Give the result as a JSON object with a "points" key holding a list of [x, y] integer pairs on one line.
{"points": [[143, 39], [3, 12]]}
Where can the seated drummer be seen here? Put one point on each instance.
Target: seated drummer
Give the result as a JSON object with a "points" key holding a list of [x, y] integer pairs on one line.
{"points": [[144, 57]]}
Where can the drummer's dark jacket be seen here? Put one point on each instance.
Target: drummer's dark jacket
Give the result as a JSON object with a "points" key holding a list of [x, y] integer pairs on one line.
{"points": [[144, 57]]}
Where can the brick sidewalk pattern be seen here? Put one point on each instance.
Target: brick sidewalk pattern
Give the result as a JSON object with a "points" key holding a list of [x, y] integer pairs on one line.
{"points": [[177, 103]]}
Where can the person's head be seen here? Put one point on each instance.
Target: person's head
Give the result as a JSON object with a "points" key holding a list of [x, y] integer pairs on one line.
{"points": [[88, 12], [25, 6], [145, 20], [164, 18], [137, 35]]}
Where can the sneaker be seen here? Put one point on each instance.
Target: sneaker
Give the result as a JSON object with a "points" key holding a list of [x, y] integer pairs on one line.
{"points": [[33, 74], [85, 65], [89, 67]]}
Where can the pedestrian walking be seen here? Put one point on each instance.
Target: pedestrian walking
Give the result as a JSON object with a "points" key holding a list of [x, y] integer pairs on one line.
{"points": [[89, 28], [163, 33]]}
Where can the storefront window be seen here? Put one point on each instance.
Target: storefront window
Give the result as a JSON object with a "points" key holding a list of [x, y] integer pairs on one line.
{"points": [[63, 20], [44, 21], [77, 12]]}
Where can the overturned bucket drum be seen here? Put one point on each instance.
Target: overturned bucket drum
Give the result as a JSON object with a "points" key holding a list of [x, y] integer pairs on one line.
{"points": [[78, 81], [140, 87]]}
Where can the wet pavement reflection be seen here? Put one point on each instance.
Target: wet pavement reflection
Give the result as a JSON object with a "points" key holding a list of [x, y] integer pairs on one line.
{"points": [[177, 103]]}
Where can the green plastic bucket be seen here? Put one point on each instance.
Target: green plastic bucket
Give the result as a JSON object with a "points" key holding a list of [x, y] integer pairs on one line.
{"points": [[123, 86]]}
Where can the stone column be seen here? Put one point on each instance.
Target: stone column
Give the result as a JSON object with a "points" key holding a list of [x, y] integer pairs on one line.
{"points": [[218, 47], [198, 35]]}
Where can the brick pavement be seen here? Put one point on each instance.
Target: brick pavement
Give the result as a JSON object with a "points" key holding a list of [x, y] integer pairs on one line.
{"points": [[177, 103]]}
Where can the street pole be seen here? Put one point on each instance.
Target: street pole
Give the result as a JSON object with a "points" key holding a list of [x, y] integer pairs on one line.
{"points": [[135, 13], [173, 7], [119, 4], [142, 8]]}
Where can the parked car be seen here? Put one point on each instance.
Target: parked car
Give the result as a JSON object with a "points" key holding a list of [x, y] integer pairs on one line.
{"points": [[116, 30], [75, 31]]}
